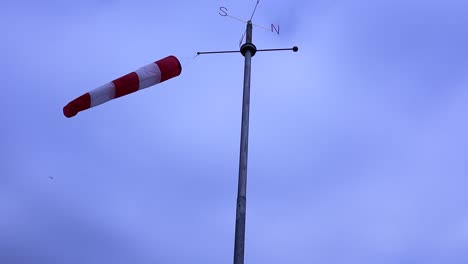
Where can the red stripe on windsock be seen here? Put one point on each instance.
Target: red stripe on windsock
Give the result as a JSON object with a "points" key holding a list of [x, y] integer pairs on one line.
{"points": [[170, 67], [79, 104], [126, 84]]}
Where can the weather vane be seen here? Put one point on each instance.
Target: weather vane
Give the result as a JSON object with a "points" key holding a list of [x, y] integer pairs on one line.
{"points": [[248, 50], [170, 67]]}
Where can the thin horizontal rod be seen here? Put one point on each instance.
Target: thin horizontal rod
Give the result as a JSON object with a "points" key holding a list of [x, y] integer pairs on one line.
{"points": [[261, 27], [295, 49], [214, 52], [238, 19]]}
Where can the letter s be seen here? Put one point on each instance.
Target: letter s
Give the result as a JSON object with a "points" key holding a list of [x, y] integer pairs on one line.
{"points": [[224, 10]]}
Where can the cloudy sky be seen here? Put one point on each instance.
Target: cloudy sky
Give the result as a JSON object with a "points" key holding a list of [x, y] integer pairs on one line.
{"points": [[358, 146]]}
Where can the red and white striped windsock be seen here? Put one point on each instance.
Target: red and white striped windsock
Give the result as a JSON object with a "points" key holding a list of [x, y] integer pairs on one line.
{"points": [[144, 77]]}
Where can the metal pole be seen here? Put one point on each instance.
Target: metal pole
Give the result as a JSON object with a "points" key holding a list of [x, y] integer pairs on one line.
{"points": [[248, 50]]}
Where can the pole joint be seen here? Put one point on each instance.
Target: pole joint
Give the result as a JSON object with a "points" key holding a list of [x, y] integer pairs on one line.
{"points": [[248, 46]]}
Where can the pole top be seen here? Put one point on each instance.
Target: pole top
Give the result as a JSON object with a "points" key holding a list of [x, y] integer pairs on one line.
{"points": [[248, 45]]}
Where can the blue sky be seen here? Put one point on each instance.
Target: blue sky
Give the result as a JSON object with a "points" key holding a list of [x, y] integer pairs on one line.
{"points": [[357, 142]]}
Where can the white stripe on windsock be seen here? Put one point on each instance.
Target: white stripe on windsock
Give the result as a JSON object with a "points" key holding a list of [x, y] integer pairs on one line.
{"points": [[148, 75], [102, 94]]}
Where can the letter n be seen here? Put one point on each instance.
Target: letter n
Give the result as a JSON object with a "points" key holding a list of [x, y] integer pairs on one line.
{"points": [[275, 29]]}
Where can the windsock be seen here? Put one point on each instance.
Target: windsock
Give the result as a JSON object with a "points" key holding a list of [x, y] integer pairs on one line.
{"points": [[142, 78]]}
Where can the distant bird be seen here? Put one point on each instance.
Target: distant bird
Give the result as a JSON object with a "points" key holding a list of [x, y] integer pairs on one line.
{"points": [[50, 177]]}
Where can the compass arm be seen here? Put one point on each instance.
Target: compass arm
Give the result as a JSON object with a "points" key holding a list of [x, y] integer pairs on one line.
{"points": [[217, 52], [295, 49]]}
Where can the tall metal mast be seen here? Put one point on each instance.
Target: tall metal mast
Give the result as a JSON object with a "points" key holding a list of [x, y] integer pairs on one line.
{"points": [[248, 50]]}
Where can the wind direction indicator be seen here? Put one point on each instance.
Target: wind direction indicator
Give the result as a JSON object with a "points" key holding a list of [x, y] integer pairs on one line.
{"points": [[223, 11], [248, 50], [170, 67]]}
